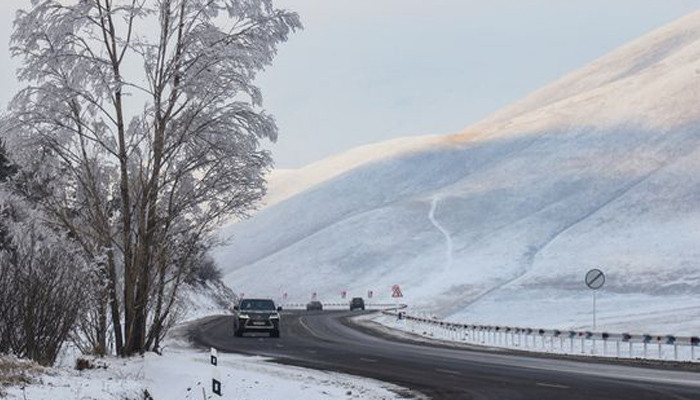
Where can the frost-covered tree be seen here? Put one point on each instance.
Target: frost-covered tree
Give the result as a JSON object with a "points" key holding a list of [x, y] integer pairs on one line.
{"points": [[7, 169], [42, 277], [139, 131]]}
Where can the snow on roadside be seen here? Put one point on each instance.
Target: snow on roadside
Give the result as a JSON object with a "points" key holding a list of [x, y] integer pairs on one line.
{"points": [[184, 373]]}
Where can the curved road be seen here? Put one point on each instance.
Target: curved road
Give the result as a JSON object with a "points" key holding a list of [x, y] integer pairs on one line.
{"points": [[331, 341]]}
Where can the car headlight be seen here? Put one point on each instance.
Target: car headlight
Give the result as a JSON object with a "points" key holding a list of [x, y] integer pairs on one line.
{"points": [[275, 316], [243, 316]]}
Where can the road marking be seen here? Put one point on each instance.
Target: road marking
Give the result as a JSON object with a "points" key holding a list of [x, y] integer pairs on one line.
{"points": [[447, 371], [302, 323], [368, 359], [552, 385]]}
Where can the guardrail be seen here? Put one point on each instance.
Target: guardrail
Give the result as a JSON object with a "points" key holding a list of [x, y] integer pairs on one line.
{"points": [[368, 306], [601, 344]]}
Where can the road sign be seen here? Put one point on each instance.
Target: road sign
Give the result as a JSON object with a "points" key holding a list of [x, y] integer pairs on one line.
{"points": [[595, 279], [396, 291], [343, 294], [370, 294]]}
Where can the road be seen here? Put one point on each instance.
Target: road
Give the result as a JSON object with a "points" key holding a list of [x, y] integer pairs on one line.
{"points": [[330, 341]]}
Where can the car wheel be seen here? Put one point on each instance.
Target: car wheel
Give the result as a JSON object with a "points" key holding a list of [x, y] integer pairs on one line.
{"points": [[275, 333]]}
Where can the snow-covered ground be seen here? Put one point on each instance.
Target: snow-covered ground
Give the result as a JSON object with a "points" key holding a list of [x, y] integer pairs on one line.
{"points": [[183, 373], [204, 299], [501, 222]]}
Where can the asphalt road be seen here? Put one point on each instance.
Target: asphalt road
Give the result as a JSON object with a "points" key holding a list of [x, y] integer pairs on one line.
{"points": [[329, 341]]}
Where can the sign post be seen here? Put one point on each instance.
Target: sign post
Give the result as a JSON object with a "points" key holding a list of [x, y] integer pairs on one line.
{"points": [[595, 279], [396, 294]]}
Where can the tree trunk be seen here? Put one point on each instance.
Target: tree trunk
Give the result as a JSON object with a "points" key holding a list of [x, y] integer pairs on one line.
{"points": [[114, 303]]}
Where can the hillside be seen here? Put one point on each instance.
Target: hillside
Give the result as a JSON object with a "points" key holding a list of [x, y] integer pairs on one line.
{"points": [[499, 223]]}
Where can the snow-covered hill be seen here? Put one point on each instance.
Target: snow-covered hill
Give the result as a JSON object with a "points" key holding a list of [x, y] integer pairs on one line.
{"points": [[500, 222]]}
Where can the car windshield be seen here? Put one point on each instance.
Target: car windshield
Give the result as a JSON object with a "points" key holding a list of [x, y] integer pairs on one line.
{"points": [[266, 305]]}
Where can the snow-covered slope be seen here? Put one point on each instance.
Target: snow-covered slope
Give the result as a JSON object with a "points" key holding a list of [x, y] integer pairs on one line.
{"points": [[500, 222]]}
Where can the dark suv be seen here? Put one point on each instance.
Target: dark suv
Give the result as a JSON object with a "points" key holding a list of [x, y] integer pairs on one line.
{"points": [[357, 304], [256, 315]]}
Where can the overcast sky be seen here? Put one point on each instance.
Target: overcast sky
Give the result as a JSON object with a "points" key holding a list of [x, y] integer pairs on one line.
{"points": [[369, 70]]}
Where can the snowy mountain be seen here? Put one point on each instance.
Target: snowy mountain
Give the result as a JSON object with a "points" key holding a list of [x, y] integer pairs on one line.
{"points": [[500, 222]]}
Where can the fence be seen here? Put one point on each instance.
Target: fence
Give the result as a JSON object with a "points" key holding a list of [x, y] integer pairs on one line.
{"points": [[602, 344]]}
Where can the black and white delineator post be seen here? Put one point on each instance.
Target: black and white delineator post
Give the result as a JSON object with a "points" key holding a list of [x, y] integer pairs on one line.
{"points": [[215, 374], [595, 279]]}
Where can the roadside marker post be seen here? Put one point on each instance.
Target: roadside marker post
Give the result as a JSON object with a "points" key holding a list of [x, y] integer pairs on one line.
{"points": [[216, 376]]}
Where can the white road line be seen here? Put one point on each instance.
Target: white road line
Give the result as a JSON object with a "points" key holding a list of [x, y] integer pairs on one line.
{"points": [[447, 371], [302, 323], [368, 360], [448, 238], [552, 385]]}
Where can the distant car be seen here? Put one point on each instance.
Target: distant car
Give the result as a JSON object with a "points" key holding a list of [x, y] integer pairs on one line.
{"points": [[357, 304], [256, 315], [314, 306]]}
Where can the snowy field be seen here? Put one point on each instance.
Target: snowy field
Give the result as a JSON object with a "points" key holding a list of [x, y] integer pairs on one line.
{"points": [[185, 373], [500, 222]]}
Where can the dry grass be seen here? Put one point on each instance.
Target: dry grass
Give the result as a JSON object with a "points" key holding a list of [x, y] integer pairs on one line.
{"points": [[14, 372]]}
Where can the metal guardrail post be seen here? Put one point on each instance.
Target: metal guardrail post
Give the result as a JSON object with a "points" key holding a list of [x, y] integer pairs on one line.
{"points": [[605, 336], [694, 342], [671, 340], [646, 339], [572, 335], [626, 337]]}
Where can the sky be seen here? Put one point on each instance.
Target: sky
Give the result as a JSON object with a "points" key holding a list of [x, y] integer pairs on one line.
{"points": [[364, 71]]}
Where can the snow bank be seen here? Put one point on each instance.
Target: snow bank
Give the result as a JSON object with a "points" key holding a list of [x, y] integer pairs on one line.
{"points": [[183, 373]]}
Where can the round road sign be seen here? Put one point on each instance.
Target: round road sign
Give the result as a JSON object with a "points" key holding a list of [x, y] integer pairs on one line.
{"points": [[595, 279]]}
